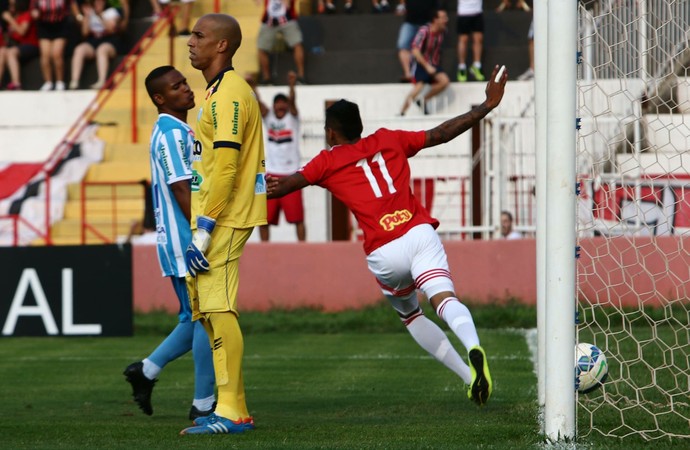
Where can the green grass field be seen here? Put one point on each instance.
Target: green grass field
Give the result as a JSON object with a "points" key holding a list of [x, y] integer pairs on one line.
{"points": [[352, 380]]}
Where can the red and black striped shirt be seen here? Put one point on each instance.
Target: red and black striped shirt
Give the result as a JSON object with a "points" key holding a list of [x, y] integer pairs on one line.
{"points": [[52, 10]]}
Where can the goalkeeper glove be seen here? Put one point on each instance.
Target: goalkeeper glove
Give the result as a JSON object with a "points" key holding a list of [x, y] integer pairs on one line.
{"points": [[194, 257]]}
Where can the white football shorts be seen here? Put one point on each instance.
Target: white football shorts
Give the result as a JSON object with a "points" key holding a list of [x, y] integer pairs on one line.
{"points": [[416, 260]]}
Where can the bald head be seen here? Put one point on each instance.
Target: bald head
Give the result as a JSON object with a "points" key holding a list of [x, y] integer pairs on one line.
{"points": [[224, 27], [213, 43]]}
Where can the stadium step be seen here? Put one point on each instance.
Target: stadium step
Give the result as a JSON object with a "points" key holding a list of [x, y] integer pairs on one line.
{"points": [[103, 208], [369, 55], [72, 228], [118, 171], [128, 152], [66, 240], [134, 190]]}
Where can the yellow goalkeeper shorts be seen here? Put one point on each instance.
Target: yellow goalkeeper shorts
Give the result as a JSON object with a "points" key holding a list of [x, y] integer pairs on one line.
{"points": [[216, 290]]}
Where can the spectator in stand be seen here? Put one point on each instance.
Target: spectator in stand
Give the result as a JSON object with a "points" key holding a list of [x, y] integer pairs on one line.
{"points": [[99, 27], [185, 18], [3, 50], [281, 124], [122, 7], [520, 4], [22, 44], [156, 10], [417, 13], [380, 6], [529, 73], [470, 22], [53, 30], [507, 231], [328, 7], [279, 17], [4, 6], [426, 67]]}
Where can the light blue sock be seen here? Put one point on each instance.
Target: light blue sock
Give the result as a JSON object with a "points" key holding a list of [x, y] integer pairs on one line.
{"points": [[204, 376], [178, 342]]}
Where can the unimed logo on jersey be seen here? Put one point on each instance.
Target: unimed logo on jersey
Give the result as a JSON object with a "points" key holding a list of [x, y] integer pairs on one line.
{"points": [[235, 117], [390, 221], [166, 164], [68, 291]]}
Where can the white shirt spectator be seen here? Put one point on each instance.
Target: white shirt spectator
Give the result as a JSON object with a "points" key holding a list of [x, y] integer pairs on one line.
{"points": [[469, 7], [97, 22], [514, 235], [282, 144]]}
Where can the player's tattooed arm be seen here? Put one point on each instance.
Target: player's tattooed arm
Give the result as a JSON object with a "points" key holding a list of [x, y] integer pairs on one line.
{"points": [[452, 128]]}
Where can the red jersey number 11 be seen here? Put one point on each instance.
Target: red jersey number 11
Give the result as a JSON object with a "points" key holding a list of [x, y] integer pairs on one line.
{"points": [[378, 159]]}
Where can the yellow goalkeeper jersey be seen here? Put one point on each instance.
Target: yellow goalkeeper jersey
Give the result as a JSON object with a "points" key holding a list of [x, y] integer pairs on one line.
{"points": [[228, 164]]}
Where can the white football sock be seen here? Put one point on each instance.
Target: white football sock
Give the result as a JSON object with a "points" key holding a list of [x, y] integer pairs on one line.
{"points": [[204, 404], [459, 319], [432, 339], [150, 369]]}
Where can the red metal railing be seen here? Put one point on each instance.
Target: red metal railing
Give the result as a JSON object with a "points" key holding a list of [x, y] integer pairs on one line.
{"points": [[18, 220], [522, 199], [115, 211]]}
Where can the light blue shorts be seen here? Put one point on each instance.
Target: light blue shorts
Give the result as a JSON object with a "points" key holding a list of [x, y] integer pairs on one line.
{"points": [[180, 286], [406, 35]]}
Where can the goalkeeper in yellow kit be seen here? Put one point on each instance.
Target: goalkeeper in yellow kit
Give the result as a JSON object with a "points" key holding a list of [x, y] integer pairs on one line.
{"points": [[228, 201]]}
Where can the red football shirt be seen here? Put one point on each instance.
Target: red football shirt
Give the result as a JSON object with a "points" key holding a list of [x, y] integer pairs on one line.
{"points": [[30, 37], [372, 177]]}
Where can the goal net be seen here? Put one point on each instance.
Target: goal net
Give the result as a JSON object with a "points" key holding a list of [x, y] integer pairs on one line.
{"points": [[633, 161]]}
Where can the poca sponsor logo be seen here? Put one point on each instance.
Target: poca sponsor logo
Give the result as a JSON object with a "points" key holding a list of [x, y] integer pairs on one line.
{"points": [[390, 221]]}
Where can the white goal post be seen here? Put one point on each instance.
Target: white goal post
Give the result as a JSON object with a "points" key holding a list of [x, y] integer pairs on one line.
{"points": [[613, 216], [559, 232]]}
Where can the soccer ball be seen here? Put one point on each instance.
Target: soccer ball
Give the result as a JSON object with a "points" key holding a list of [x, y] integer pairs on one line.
{"points": [[591, 367]]}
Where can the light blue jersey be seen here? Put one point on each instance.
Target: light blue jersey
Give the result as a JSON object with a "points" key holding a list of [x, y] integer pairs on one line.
{"points": [[172, 142]]}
